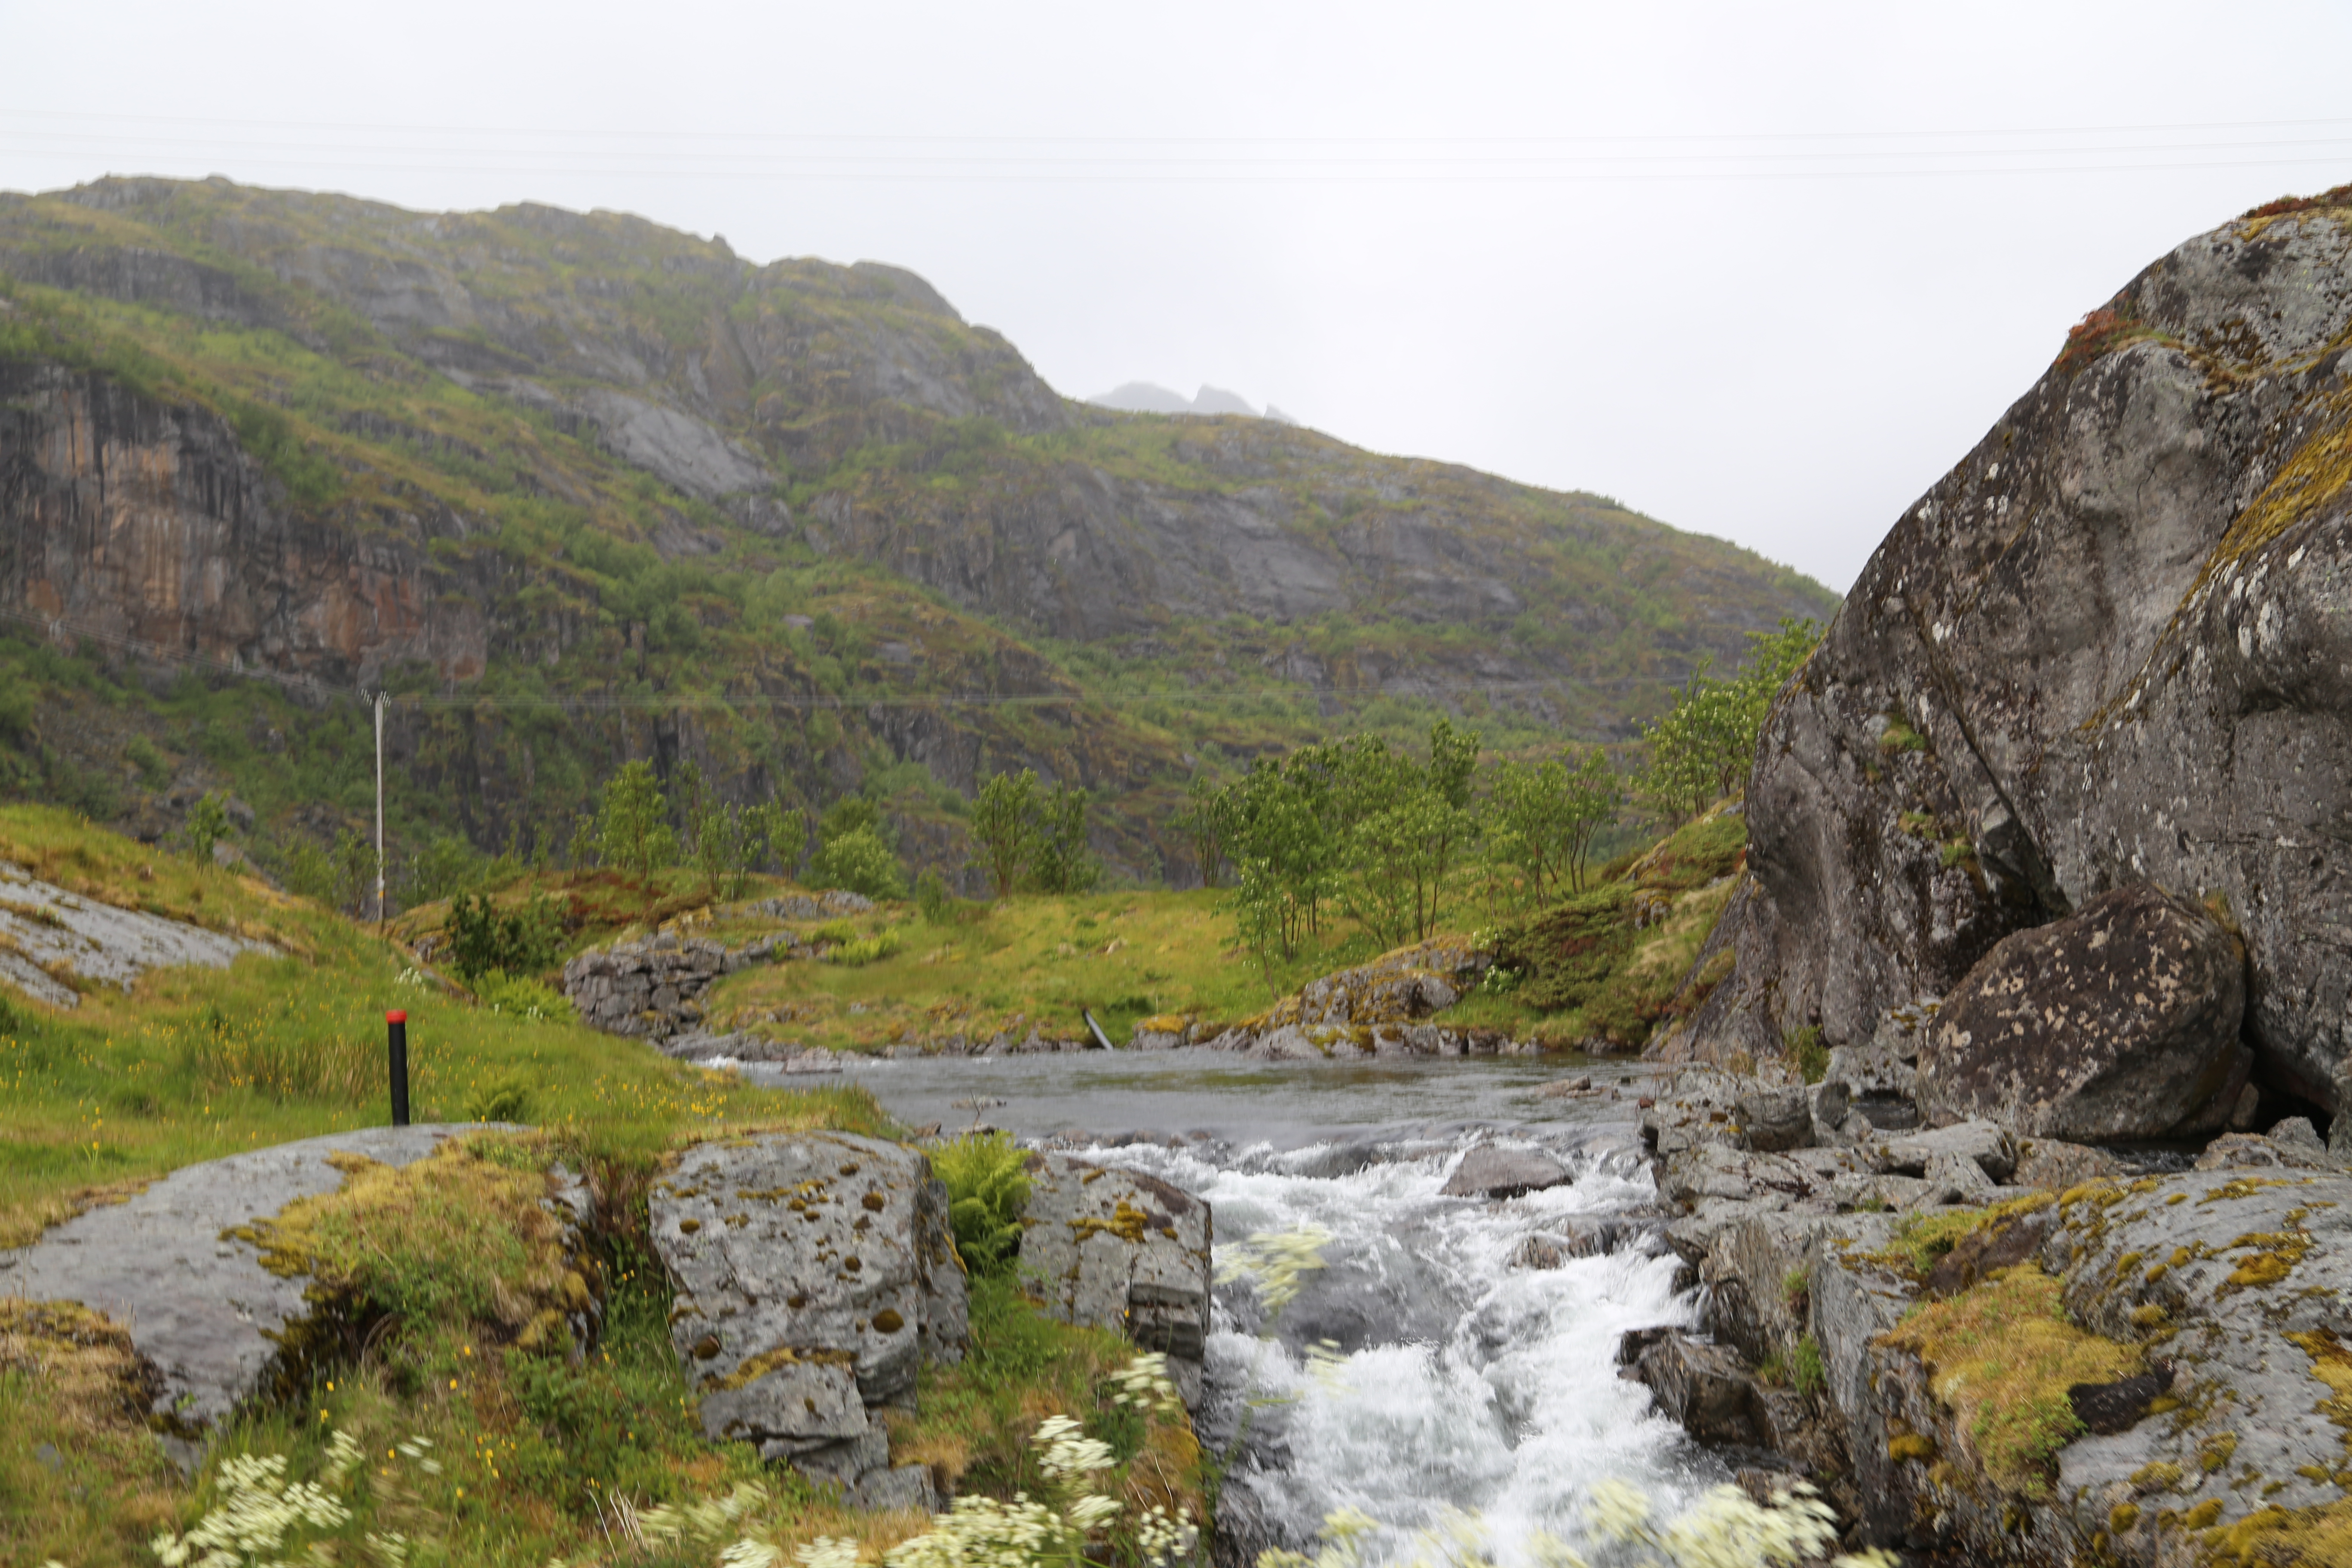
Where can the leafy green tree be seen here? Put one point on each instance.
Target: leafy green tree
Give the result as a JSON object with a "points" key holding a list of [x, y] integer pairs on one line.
{"points": [[1544, 818], [1062, 862], [1003, 828], [632, 832], [206, 825], [1201, 820], [852, 853], [444, 866], [1704, 747], [780, 831], [721, 850]]}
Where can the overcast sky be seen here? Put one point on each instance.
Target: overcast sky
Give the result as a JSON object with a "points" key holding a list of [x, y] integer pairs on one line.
{"points": [[1762, 272]]}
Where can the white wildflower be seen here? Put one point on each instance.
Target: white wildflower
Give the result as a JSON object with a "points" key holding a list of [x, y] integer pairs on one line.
{"points": [[1068, 1454], [1143, 1383], [1275, 1263], [828, 1552], [255, 1510]]}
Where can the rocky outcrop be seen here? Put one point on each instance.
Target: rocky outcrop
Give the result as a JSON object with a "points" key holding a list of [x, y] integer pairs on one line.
{"points": [[180, 1267], [816, 1274], [2110, 647], [1121, 1250], [142, 522], [2117, 1023], [1378, 1008], [653, 986], [2213, 1300], [46, 932]]}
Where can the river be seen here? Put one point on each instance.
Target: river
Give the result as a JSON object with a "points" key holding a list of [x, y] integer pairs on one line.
{"points": [[1451, 1353]]}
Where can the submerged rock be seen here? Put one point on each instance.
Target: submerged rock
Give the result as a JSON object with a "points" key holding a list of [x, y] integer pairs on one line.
{"points": [[1491, 1172], [2117, 1023], [816, 1272]]}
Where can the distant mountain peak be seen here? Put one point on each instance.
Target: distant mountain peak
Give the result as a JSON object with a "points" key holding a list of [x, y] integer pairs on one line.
{"points": [[1150, 398]]}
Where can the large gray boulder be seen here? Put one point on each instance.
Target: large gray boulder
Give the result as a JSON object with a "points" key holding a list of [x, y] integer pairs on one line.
{"points": [[2117, 1023], [816, 1272], [1122, 1251], [2112, 646], [177, 1266]]}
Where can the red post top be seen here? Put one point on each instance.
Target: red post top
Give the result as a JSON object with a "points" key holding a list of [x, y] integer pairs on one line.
{"points": [[396, 1017]]}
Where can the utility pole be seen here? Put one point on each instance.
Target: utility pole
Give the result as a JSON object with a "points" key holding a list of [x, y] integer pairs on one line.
{"points": [[379, 809]]}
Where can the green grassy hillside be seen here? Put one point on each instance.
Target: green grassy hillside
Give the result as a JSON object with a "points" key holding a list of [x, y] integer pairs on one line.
{"points": [[799, 523], [533, 1457]]}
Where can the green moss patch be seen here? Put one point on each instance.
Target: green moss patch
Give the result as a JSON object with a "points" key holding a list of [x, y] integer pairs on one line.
{"points": [[2001, 1357]]}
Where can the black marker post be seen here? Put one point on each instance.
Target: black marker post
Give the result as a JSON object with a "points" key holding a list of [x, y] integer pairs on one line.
{"points": [[396, 1027]]}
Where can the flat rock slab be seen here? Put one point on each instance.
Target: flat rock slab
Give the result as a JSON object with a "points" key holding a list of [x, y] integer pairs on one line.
{"points": [[1488, 1172], [1122, 1251], [197, 1302], [44, 925], [816, 1272]]}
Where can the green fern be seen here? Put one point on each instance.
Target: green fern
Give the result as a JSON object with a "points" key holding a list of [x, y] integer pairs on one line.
{"points": [[988, 1187]]}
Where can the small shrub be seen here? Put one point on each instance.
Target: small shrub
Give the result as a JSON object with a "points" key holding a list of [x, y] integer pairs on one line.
{"points": [[1805, 1369], [153, 769], [988, 1188], [1812, 1057], [521, 996], [519, 942], [931, 896], [868, 949], [206, 825], [506, 1098]]}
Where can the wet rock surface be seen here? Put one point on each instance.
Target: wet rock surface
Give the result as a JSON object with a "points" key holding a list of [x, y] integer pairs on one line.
{"points": [[195, 1299], [816, 1272], [1491, 1171], [2120, 1022], [1122, 1251], [43, 925]]}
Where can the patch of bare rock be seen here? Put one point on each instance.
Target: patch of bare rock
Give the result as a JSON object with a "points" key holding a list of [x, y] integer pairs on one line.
{"points": [[1378, 1009], [50, 937]]}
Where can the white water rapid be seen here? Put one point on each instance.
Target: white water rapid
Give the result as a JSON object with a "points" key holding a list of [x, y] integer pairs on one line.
{"points": [[1476, 1351], [1432, 1363]]}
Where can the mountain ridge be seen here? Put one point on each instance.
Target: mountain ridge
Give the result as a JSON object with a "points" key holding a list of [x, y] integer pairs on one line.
{"points": [[544, 412]]}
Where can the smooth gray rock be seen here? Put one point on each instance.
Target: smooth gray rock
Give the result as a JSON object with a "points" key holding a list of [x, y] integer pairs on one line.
{"points": [[1986, 1143], [1958, 1179], [2120, 1022], [815, 1272], [1122, 1251], [907, 1485], [42, 924], [2112, 645], [196, 1300], [1489, 1172]]}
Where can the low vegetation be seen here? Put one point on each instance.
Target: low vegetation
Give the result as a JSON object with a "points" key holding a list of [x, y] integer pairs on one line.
{"points": [[2001, 1356]]}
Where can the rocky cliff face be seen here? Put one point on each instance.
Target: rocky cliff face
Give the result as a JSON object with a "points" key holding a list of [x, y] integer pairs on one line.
{"points": [[2112, 646], [142, 521], [909, 436]]}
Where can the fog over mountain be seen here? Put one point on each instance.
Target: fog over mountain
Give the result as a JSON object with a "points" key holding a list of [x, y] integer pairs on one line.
{"points": [[1150, 398]]}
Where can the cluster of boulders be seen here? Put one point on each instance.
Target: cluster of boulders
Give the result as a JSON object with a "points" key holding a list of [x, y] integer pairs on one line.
{"points": [[653, 986], [1380, 1008], [816, 1273], [1819, 1216]]}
